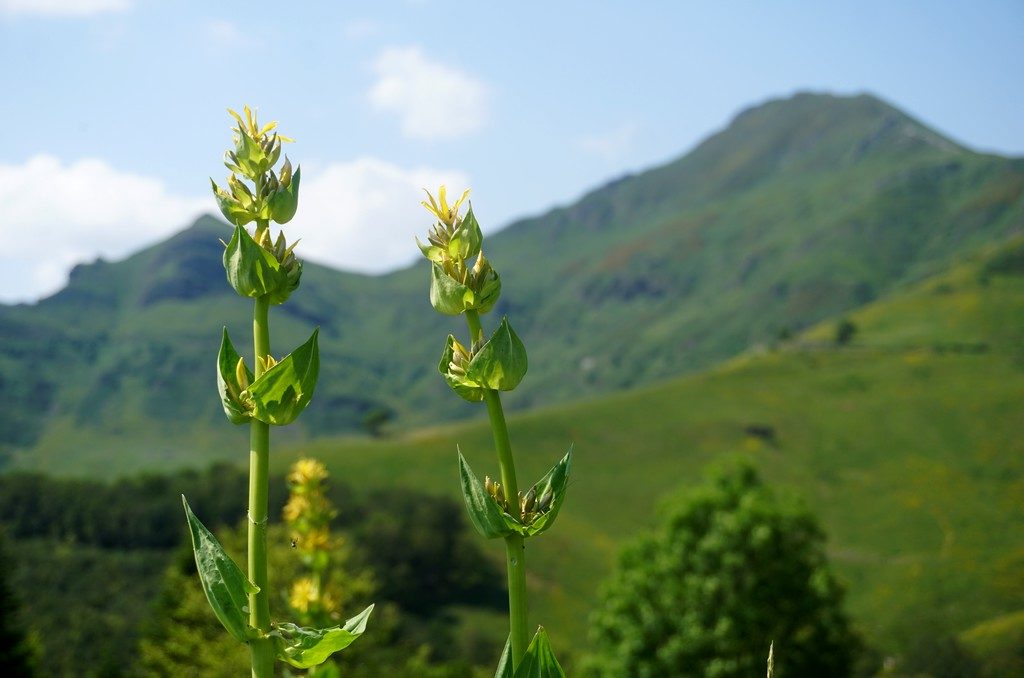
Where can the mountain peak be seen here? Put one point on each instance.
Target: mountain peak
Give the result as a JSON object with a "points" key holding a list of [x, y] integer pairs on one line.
{"points": [[819, 127]]}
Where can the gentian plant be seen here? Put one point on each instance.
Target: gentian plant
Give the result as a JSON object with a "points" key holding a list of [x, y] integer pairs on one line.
{"points": [[272, 393], [462, 282]]}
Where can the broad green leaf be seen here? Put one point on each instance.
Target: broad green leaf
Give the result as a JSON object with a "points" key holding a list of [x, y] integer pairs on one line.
{"points": [[305, 647], [252, 271], [225, 586], [467, 390], [501, 363], [447, 294], [285, 201], [504, 669], [227, 364], [280, 394], [555, 481], [485, 514], [539, 660], [250, 156]]}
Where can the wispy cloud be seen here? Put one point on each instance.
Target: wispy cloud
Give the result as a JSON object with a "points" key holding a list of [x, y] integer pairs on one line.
{"points": [[225, 34], [612, 144], [63, 8], [362, 215], [361, 28], [432, 100], [57, 214]]}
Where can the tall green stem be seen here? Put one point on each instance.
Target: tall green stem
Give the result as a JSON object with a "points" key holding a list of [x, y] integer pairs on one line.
{"points": [[261, 649], [515, 548]]}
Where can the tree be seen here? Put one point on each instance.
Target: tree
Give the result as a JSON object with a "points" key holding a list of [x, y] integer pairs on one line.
{"points": [[16, 653], [376, 419], [732, 569], [845, 331]]}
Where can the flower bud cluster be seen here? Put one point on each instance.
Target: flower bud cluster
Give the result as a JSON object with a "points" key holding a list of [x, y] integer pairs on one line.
{"points": [[308, 511], [257, 264], [272, 196], [308, 514], [457, 285], [528, 507]]}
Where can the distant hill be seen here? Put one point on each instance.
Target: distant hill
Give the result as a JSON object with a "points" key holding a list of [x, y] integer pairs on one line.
{"points": [[799, 209], [907, 442]]}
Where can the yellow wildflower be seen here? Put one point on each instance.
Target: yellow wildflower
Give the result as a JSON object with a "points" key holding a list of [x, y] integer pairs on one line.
{"points": [[439, 208]]}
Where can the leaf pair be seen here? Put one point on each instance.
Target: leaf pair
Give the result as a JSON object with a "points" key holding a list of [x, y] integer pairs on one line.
{"points": [[499, 364], [227, 589], [254, 271], [452, 297], [492, 520], [279, 395], [538, 662]]}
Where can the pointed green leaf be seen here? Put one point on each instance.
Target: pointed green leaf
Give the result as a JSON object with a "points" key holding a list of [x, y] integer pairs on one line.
{"points": [[232, 210], [466, 389], [305, 647], [285, 201], [280, 394], [252, 271], [432, 252], [539, 660], [447, 294], [501, 363], [227, 382], [555, 482], [225, 586], [485, 514], [470, 235], [504, 669], [465, 241]]}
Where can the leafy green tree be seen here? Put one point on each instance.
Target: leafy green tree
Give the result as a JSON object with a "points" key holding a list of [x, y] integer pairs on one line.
{"points": [[16, 654], [732, 569], [845, 331]]}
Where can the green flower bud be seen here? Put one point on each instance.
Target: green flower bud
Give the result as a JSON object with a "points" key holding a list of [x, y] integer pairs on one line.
{"points": [[233, 378], [256, 269], [284, 201]]}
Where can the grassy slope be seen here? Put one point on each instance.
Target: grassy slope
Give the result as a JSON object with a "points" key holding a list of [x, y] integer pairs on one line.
{"points": [[798, 210], [907, 444]]}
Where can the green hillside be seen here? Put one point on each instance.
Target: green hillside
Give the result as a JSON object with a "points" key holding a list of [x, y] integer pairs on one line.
{"points": [[907, 442], [798, 210]]}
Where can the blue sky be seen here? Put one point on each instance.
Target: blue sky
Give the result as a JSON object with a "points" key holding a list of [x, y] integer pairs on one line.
{"points": [[114, 110]]}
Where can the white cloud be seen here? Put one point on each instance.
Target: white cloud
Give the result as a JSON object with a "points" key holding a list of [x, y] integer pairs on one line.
{"points": [[432, 100], [612, 144], [63, 8], [362, 215], [58, 214]]}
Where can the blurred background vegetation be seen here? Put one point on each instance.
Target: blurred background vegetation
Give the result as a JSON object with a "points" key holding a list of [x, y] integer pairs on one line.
{"points": [[826, 286]]}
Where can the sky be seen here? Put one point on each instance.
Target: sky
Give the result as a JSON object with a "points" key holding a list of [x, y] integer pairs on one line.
{"points": [[113, 112]]}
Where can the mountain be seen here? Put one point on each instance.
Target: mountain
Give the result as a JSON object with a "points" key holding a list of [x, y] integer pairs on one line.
{"points": [[798, 210], [906, 442]]}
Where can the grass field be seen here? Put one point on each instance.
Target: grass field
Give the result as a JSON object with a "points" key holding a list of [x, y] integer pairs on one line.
{"points": [[906, 443]]}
